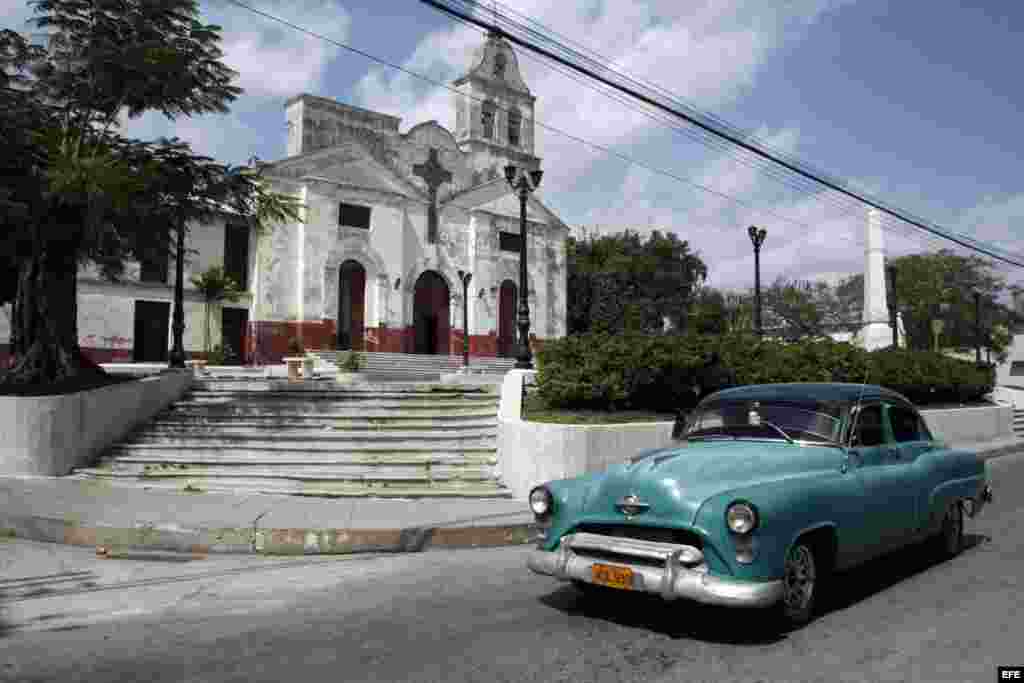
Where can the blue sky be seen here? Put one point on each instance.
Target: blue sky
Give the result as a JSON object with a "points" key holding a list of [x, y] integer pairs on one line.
{"points": [[920, 108]]}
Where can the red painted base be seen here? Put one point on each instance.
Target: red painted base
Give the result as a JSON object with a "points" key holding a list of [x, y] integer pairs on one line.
{"points": [[267, 341]]}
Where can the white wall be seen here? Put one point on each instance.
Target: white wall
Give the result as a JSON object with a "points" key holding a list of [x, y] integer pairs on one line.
{"points": [[50, 435]]}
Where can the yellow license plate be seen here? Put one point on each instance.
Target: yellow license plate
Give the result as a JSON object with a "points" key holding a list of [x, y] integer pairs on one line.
{"points": [[615, 577]]}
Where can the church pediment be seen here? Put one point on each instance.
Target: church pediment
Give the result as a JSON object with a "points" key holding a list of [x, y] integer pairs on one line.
{"points": [[496, 197], [349, 164]]}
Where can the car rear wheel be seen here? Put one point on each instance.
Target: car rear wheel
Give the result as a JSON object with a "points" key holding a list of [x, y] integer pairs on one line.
{"points": [[801, 583], [949, 542]]}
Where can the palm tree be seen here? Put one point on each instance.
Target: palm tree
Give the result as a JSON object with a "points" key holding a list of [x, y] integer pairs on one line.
{"points": [[214, 286]]}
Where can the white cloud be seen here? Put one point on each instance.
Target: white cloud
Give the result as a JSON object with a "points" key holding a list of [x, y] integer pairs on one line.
{"points": [[273, 59], [709, 52]]}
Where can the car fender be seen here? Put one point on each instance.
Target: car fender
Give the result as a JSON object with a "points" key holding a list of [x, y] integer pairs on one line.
{"points": [[786, 509]]}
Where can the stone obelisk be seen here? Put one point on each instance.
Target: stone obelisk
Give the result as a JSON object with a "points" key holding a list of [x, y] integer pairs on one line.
{"points": [[876, 332]]}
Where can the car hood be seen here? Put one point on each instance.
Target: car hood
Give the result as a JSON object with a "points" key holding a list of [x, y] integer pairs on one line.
{"points": [[676, 481]]}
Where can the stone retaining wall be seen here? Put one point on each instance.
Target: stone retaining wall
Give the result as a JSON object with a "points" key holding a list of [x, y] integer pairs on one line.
{"points": [[51, 435], [531, 453]]}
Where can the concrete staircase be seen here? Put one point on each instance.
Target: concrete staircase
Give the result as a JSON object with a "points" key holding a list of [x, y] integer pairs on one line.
{"points": [[316, 438], [1018, 423], [421, 366]]}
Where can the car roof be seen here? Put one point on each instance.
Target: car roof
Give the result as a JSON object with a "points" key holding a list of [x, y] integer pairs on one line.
{"points": [[814, 391]]}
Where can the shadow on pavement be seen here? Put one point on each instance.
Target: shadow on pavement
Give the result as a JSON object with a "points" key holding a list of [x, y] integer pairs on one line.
{"points": [[885, 572], [675, 619], [686, 619]]}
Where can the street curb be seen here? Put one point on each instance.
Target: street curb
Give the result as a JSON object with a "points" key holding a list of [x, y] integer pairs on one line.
{"points": [[256, 541], [171, 538]]}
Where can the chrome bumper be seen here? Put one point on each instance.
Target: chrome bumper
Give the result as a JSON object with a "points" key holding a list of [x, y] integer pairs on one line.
{"points": [[682, 572]]}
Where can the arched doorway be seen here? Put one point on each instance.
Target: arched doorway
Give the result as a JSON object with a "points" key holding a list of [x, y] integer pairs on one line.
{"points": [[430, 314], [351, 305], [507, 303]]}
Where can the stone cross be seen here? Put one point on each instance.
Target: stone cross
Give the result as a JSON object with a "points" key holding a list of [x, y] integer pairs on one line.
{"points": [[433, 174]]}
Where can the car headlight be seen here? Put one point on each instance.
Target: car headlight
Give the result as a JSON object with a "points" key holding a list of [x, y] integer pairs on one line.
{"points": [[741, 517], [540, 501]]}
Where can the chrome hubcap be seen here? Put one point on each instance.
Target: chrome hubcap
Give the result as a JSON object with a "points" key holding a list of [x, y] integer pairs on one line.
{"points": [[799, 578]]}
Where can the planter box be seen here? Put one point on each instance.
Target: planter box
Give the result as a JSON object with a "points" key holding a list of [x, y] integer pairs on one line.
{"points": [[294, 364]]}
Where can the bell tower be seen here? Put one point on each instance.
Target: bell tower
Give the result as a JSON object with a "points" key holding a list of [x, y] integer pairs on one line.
{"points": [[494, 111]]}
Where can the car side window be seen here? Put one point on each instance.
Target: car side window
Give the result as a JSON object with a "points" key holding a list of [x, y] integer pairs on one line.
{"points": [[906, 426], [869, 427]]}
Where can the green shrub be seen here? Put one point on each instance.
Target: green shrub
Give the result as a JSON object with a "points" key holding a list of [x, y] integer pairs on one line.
{"points": [[660, 372], [350, 362]]}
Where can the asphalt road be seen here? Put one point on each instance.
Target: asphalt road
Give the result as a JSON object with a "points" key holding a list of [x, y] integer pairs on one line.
{"points": [[479, 615]]}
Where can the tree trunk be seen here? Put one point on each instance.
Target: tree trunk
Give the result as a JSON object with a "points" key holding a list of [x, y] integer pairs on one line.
{"points": [[44, 324]]}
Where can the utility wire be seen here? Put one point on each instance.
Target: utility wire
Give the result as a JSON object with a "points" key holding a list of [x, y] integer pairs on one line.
{"points": [[732, 136], [603, 148], [597, 146]]}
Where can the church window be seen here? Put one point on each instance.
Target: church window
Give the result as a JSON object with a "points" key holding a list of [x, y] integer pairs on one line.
{"points": [[487, 119], [354, 216], [509, 241], [515, 121], [499, 65]]}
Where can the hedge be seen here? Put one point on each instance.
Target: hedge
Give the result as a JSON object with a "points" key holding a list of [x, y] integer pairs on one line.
{"points": [[669, 372]]}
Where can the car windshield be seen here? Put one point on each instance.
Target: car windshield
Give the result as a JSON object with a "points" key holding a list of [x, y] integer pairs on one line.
{"points": [[810, 421]]}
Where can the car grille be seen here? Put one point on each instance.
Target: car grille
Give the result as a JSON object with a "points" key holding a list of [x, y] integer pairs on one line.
{"points": [[644, 533]]}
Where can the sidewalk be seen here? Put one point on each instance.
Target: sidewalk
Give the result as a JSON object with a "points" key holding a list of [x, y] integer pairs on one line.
{"points": [[89, 513]]}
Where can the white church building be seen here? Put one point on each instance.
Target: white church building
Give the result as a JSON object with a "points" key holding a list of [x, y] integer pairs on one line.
{"points": [[390, 219]]}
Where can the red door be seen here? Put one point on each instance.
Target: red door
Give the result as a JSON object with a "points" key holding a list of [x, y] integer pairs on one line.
{"points": [[430, 314], [506, 319], [351, 299]]}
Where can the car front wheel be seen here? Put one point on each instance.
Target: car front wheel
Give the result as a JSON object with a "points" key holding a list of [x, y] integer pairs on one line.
{"points": [[950, 539], [800, 585]]}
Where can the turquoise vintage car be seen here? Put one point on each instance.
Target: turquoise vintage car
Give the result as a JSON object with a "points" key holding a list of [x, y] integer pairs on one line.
{"points": [[764, 492]]}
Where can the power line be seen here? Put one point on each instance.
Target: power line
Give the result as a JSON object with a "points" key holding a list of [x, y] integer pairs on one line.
{"points": [[603, 148], [627, 159], [730, 135]]}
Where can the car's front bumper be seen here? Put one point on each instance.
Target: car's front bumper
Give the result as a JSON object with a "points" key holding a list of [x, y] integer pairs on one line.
{"points": [[681, 573]]}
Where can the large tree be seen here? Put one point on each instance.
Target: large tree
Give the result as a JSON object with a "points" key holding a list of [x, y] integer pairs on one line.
{"points": [[619, 282], [86, 193], [796, 309], [941, 285]]}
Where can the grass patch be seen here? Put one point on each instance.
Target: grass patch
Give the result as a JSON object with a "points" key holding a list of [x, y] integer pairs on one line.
{"points": [[536, 410]]}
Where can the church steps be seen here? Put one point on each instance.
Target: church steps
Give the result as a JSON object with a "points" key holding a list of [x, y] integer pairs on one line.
{"points": [[310, 438], [313, 427], [319, 442], [314, 471], [198, 457], [324, 489]]}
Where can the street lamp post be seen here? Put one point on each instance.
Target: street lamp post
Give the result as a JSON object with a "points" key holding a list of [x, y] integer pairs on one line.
{"points": [[464, 278], [757, 236], [893, 315], [177, 357], [977, 328], [523, 184]]}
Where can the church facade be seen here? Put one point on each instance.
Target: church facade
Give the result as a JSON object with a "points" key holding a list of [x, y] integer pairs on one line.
{"points": [[389, 221]]}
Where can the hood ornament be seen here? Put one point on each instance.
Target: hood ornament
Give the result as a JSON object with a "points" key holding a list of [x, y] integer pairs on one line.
{"points": [[631, 505]]}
